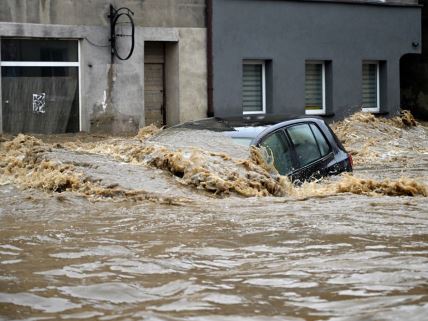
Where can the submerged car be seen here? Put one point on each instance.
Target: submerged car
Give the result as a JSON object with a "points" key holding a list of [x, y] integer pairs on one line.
{"points": [[301, 148]]}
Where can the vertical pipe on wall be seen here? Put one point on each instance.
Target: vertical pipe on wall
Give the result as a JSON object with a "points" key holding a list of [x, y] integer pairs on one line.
{"points": [[209, 17], [111, 39]]}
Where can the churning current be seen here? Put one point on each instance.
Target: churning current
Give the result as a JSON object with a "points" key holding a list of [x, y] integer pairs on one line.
{"points": [[177, 227]]}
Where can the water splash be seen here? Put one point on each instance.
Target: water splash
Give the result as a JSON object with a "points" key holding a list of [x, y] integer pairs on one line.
{"points": [[26, 162]]}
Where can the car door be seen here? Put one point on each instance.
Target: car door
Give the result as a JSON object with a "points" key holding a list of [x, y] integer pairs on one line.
{"points": [[312, 151], [279, 147]]}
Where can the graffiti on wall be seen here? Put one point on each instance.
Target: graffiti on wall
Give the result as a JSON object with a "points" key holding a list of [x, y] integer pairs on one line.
{"points": [[39, 103]]}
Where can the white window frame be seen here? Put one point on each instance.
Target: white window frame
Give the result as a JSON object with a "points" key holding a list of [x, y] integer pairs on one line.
{"points": [[323, 110], [263, 64], [39, 64], [79, 70], [8, 63], [377, 108]]}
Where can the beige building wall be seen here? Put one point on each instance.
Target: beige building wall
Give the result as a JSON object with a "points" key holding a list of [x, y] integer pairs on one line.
{"points": [[185, 72], [193, 99]]}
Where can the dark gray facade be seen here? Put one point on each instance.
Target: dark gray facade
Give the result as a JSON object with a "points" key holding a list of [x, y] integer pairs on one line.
{"points": [[286, 34], [414, 76]]}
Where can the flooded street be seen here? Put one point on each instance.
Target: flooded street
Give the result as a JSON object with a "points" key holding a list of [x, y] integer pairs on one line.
{"points": [[109, 229]]}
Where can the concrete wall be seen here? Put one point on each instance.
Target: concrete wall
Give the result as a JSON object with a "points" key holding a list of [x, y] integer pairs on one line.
{"points": [[193, 74], [286, 33], [148, 13], [186, 75], [112, 95]]}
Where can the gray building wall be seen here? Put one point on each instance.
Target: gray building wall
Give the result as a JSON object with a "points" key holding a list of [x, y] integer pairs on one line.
{"points": [[148, 13], [287, 33], [112, 95]]}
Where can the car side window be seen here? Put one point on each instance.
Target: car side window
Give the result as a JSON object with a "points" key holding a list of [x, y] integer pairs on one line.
{"points": [[322, 143], [304, 143], [278, 146]]}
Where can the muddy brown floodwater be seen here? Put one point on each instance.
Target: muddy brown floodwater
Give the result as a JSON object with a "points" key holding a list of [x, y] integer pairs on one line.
{"points": [[188, 226]]}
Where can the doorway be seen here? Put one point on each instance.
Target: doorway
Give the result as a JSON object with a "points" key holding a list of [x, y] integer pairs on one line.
{"points": [[154, 83]]}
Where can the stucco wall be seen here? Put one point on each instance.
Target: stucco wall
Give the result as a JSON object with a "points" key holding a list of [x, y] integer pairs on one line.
{"points": [[286, 33], [148, 13], [193, 74], [112, 95]]}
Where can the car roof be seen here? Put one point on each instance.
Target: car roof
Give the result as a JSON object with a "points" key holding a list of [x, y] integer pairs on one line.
{"points": [[245, 126]]}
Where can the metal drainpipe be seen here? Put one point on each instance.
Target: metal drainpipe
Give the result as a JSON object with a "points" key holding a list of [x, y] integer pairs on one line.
{"points": [[209, 19]]}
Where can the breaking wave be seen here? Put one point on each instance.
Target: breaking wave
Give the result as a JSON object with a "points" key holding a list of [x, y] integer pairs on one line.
{"points": [[25, 162]]}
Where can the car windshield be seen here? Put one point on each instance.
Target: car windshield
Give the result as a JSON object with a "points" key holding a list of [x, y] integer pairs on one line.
{"points": [[245, 141]]}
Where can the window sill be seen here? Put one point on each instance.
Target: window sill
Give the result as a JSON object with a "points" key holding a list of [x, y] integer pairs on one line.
{"points": [[374, 111], [324, 115], [380, 113], [315, 111], [249, 113]]}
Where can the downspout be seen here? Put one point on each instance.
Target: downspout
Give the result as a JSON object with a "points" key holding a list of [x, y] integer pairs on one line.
{"points": [[209, 22]]}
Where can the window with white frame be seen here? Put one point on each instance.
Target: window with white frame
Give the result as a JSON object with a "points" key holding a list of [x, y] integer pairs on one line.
{"points": [[40, 85], [370, 87], [315, 87], [254, 87]]}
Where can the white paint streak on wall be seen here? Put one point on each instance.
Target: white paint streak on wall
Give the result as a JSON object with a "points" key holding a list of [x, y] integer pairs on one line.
{"points": [[104, 102]]}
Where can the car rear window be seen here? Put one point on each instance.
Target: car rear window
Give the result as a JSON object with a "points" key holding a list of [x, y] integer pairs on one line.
{"points": [[322, 142]]}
